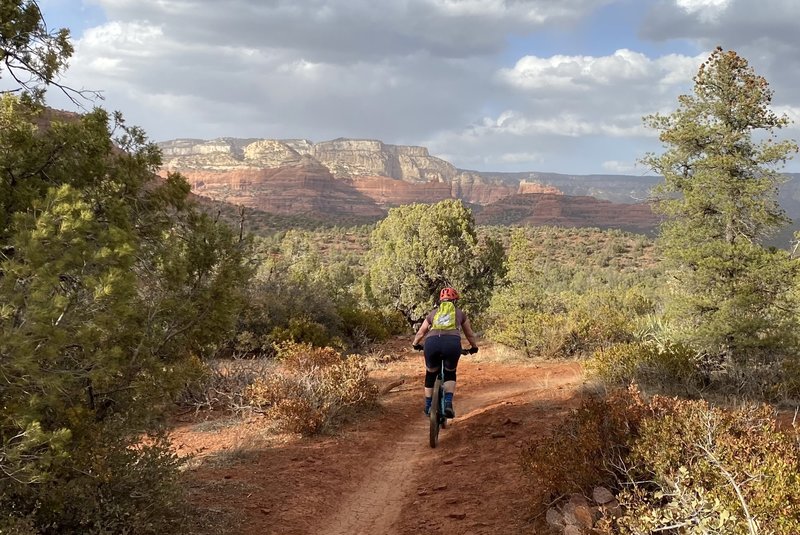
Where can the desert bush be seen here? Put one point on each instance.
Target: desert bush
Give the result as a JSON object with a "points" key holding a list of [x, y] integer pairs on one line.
{"points": [[300, 357], [709, 470], [677, 466], [314, 389], [363, 326], [14, 525], [790, 382], [618, 364], [666, 366], [583, 451], [221, 384], [598, 322], [85, 493], [303, 329]]}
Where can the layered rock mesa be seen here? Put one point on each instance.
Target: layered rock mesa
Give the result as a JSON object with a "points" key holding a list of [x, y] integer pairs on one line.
{"points": [[345, 177], [568, 211]]}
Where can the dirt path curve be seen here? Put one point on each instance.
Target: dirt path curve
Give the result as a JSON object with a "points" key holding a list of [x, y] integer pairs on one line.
{"points": [[380, 477], [377, 502], [390, 482]]}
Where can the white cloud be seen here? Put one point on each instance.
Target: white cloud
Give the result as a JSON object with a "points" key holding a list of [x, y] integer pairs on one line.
{"points": [[792, 112], [529, 158], [620, 168], [343, 31], [586, 73], [561, 124], [706, 9], [425, 72]]}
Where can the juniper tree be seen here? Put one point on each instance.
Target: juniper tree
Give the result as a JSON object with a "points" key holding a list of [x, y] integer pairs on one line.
{"points": [[33, 55], [517, 307], [111, 287], [420, 248], [719, 195]]}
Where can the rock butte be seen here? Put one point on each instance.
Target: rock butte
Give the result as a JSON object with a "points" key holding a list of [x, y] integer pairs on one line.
{"points": [[350, 177]]}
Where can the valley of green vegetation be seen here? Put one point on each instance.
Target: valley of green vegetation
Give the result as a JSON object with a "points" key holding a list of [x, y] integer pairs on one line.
{"points": [[119, 298]]}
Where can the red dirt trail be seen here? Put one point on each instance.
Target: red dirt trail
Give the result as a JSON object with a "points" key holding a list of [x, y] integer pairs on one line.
{"points": [[378, 475]]}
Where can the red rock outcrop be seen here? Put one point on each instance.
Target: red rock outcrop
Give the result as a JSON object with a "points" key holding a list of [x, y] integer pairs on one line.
{"points": [[363, 178], [304, 187], [568, 211], [390, 175], [536, 187], [390, 192]]}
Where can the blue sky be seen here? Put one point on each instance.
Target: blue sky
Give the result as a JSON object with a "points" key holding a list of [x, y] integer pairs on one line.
{"points": [[504, 85]]}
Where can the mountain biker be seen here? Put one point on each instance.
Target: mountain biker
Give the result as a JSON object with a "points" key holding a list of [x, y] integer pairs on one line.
{"points": [[442, 330]]}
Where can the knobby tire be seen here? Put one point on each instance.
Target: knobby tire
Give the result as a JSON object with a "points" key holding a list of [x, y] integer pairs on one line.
{"points": [[435, 407]]}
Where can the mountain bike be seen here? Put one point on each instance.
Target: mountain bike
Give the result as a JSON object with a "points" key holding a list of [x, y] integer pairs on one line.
{"points": [[438, 419]]}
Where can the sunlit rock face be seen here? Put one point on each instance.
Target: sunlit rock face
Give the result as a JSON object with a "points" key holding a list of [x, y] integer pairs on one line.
{"points": [[364, 178], [354, 158], [352, 176]]}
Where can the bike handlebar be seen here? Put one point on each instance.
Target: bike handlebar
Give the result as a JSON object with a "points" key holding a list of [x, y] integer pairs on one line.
{"points": [[464, 350]]}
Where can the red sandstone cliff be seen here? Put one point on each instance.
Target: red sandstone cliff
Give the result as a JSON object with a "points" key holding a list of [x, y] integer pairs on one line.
{"points": [[568, 211], [389, 175], [363, 178], [304, 187]]}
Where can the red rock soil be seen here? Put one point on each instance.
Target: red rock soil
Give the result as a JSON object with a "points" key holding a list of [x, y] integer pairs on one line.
{"points": [[378, 475]]}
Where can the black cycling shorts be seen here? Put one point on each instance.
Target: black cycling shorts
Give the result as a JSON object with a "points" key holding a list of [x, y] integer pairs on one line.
{"points": [[442, 348]]}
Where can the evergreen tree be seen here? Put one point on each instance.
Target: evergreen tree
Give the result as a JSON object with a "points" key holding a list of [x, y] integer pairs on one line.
{"points": [[517, 307], [719, 197], [111, 287], [419, 249], [32, 54]]}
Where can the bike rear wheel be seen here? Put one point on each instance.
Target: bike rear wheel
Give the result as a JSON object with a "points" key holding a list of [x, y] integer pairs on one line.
{"points": [[435, 407]]}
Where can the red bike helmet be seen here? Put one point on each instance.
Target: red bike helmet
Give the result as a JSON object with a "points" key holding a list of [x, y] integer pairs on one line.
{"points": [[448, 293]]}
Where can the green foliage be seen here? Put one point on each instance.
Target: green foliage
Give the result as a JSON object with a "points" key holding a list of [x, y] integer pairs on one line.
{"points": [[711, 471], [124, 486], [30, 53], [419, 249], [549, 308], [110, 284], [720, 199], [304, 293], [664, 367], [677, 466], [736, 301]]}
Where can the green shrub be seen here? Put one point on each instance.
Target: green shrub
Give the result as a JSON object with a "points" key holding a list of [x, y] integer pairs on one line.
{"points": [[303, 329], [534, 333], [14, 525], [364, 326], [665, 366], [618, 365], [84, 491], [712, 471], [790, 383]]}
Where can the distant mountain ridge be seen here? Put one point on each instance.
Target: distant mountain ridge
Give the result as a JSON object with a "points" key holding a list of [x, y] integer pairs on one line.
{"points": [[345, 178]]}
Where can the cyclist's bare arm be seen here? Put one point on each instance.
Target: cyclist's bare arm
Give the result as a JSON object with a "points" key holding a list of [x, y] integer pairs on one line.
{"points": [[469, 333], [423, 330]]}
